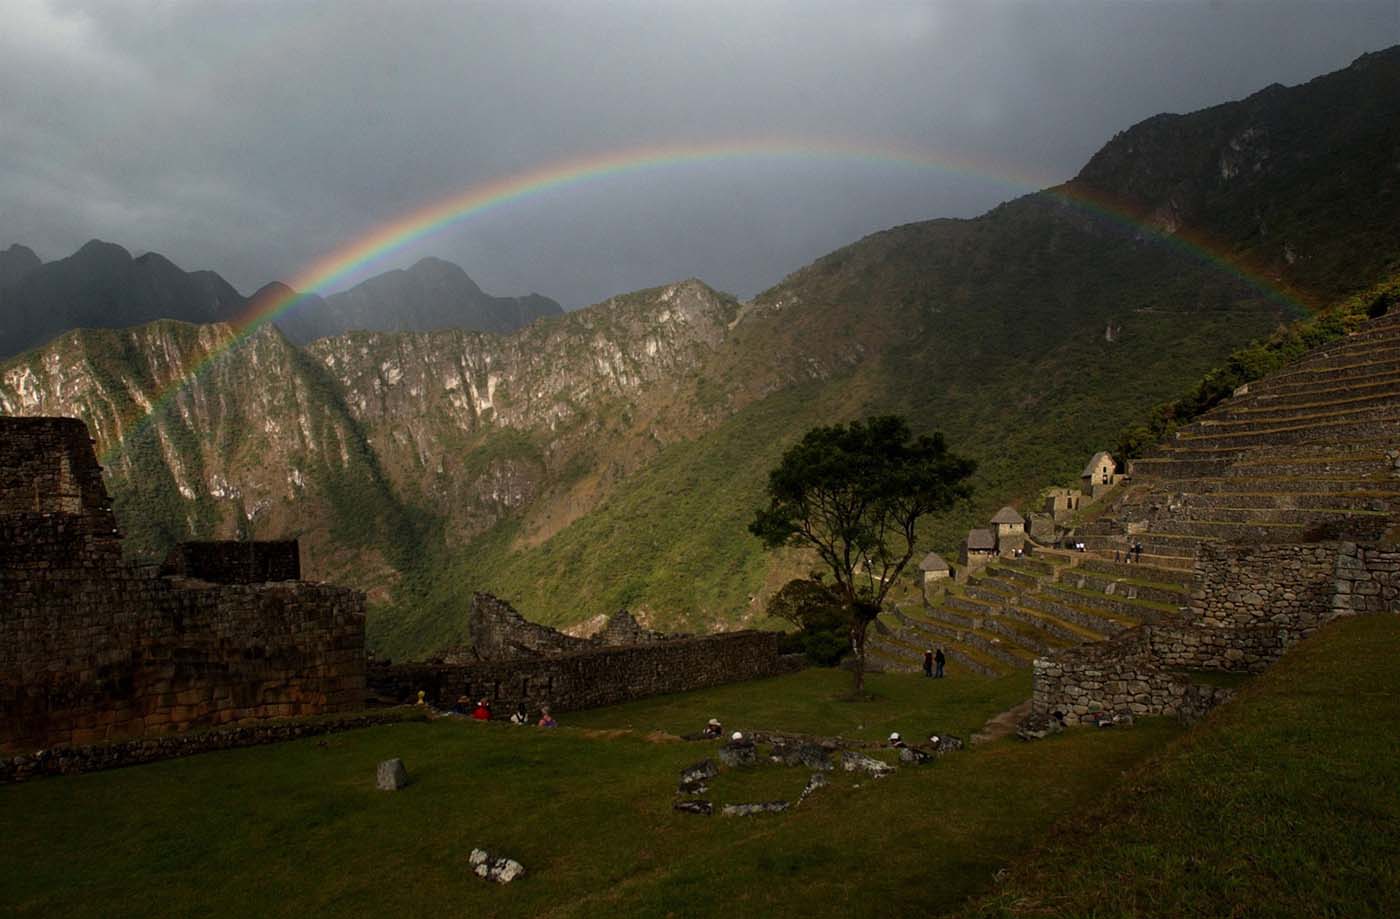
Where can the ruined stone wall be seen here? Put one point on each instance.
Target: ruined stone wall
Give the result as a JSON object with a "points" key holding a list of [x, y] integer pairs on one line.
{"points": [[591, 678], [87, 658], [498, 632], [92, 649]]}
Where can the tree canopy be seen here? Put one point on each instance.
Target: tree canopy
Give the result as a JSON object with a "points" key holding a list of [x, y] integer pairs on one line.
{"points": [[854, 493]]}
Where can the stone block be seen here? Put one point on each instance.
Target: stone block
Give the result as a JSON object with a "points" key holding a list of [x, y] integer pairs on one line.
{"points": [[391, 775]]}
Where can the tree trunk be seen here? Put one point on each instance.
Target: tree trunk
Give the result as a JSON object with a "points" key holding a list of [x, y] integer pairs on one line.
{"points": [[858, 626]]}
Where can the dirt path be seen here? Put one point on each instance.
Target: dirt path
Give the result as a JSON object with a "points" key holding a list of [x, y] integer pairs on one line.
{"points": [[1002, 725]]}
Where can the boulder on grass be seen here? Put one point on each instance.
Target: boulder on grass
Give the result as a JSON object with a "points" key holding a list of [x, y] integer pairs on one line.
{"points": [[851, 761], [739, 753], [495, 868], [704, 808], [392, 775], [693, 778]]}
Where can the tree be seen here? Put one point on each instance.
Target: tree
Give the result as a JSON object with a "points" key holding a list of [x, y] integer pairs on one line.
{"points": [[854, 493], [820, 617]]}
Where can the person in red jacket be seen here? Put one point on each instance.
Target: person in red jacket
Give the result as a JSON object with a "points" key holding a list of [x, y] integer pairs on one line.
{"points": [[482, 711]]}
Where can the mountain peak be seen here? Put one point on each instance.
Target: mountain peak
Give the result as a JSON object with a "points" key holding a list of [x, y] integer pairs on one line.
{"points": [[16, 263], [97, 248]]}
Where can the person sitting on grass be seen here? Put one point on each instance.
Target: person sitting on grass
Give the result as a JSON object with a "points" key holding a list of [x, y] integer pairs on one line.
{"points": [[896, 741], [712, 728], [546, 719], [482, 711], [521, 716]]}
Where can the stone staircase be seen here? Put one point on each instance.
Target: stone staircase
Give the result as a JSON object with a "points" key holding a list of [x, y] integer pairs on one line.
{"points": [[1311, 453]]}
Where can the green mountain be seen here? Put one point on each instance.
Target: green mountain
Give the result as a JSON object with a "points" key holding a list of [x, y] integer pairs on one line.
{"points": [[612, 456]]}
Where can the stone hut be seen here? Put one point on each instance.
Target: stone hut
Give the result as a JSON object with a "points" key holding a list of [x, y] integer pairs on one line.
{"points": [[1010, 529], [934, 569], [978, 549], [1100, 475]]}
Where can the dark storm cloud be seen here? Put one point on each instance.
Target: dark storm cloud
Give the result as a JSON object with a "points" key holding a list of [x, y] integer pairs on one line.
{"points": [[256, 137]]}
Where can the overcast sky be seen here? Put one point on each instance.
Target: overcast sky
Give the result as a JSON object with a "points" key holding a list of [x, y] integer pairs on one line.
{"points": [[254, 138]]}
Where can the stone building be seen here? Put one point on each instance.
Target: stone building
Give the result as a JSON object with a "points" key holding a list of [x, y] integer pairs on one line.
{"points": [[978, 549], [95, 649], [933, 569], [1100, 475], [1010, 529], [1061, 503]]}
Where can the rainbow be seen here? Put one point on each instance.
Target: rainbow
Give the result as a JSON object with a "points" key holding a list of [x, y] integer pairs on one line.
{"points": [[412, 226]]}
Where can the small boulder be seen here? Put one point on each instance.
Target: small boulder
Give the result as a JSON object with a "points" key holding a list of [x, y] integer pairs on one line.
{"points": [[693, 778], [704, 808], [392, 775], [495, 868], [851, 761], [914, 755], [944, 743], [814, 756], [739, 753]]}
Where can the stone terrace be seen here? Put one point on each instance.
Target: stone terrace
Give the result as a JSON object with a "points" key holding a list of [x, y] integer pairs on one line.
{"points": [[1309, 454], [1016, 609]]}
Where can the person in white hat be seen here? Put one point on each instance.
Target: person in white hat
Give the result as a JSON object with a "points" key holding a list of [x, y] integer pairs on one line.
{"points": [[896, 741]]}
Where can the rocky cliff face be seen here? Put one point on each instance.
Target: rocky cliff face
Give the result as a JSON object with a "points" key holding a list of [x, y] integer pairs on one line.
{"points": [[209, 437]]}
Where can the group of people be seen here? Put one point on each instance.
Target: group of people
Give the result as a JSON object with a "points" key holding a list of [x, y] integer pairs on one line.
{"points": [[933, 663], [482, 712], [1132, 556]]}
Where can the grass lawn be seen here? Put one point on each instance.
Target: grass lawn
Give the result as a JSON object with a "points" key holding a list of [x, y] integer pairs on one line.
{"points": [[1284, 803], [298, 828], [818, 701]]}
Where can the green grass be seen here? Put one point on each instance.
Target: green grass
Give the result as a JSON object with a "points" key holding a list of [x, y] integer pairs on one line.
{"points": [[298, 828], [818, 701], [1283, 803]]}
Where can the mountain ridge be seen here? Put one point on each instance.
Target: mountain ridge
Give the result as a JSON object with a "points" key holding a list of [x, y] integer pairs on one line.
{"points": [[610, 456], [102, 285]]}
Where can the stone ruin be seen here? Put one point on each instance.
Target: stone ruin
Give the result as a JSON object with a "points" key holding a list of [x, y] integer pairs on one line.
{"points": [[498, 632], [515, 662], [93, 648]]}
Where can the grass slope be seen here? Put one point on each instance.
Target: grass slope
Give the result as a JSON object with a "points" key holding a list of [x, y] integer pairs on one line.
{"points": [[298, 828], [1283, 803]]}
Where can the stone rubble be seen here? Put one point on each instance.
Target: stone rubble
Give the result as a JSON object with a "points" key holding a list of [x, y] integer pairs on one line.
{"points": [[495, 868], [852, 761]]}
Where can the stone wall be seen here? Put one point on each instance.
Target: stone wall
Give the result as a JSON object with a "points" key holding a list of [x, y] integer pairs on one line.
{"points": [[92, 649], [498, 632], [69, 760], [1251, 604], [1368, 580], [1120, 676], [235, 562], [593, 677]]}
